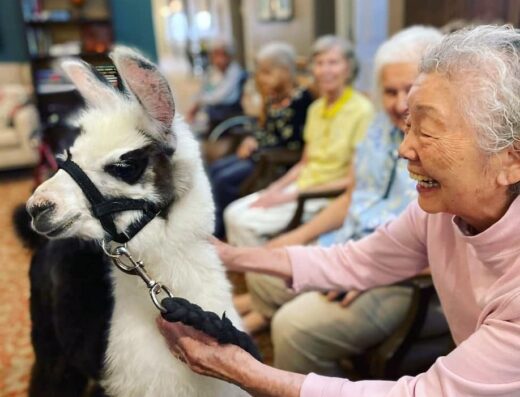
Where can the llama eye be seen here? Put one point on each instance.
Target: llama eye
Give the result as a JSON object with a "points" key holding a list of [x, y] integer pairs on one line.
{"points": [[129, 171]]}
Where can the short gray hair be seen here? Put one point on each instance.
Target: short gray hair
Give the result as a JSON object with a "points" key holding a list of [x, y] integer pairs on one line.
{"points": [[488, 58], [221, 43], [328, 42], [406, 46], [280, 54]]}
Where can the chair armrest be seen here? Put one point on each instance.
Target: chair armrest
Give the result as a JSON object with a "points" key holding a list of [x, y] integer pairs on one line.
{"points": [[246, 122], [26, 122], [392, 350], [269, 162], [302, 199]]}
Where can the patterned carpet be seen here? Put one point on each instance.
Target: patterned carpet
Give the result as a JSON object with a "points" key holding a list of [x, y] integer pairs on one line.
{"points": [[16, 355]]}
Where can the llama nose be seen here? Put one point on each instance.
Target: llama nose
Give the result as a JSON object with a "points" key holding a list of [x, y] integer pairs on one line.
{"points": [[37, 210]]}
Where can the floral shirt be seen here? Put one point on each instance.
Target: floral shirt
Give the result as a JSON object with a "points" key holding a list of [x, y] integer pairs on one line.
{"points": [[284, 127]]}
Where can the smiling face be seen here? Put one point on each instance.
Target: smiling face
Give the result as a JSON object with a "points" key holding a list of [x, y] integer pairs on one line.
{"points": [[454, 174], [331, 71], [272, 79], [396, 82]]}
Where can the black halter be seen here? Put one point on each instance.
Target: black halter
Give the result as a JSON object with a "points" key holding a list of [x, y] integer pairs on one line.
{"points": [[103, 208]]}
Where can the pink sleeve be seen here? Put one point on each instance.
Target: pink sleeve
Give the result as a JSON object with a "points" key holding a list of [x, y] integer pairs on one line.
{"points": [[394, 252], [486, 364]]}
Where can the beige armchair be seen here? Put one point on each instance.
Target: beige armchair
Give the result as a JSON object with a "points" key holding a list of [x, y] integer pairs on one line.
{"points": [[18, 119]]}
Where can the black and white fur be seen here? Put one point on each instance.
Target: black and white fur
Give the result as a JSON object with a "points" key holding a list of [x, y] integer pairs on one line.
{"points": [[131, 145]]}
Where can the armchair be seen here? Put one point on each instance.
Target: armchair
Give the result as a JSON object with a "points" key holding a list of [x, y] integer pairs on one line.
{"points": [[18, 122]]}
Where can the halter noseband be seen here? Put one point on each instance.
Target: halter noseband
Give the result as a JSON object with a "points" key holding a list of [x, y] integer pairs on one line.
{"points": [[103, 208]]}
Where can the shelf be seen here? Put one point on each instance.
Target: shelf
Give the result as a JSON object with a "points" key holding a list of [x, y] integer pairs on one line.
{"points": [[80, 55], [45, 89], [79, 21]]}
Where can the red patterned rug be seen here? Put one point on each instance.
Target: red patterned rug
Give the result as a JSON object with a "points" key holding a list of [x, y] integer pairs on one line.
{"points": [[16, 355]]}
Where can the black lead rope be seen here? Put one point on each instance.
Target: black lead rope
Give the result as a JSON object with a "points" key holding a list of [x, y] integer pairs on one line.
{"points": [[173, 309], [220, 328]]}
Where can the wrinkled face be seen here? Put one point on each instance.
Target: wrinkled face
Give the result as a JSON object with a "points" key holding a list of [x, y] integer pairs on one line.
{"points": [[127, 164], [125, 148], [331, 71], [396, 82], [454, 175], [270, 78]]}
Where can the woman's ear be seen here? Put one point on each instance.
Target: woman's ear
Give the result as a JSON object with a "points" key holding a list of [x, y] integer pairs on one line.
{"points": [[510, 172]]}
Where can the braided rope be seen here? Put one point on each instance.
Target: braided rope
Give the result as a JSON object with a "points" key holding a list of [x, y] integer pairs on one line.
{"points": [[222, 329]]}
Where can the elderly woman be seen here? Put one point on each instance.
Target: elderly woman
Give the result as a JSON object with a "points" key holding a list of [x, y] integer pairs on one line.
{"points": [[221, 89], [334, 330], [336, 122], [285, 112], [462, 146]]}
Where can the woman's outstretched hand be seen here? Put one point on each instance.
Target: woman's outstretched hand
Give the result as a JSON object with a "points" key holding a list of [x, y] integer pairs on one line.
{"points": [[203, 355]]}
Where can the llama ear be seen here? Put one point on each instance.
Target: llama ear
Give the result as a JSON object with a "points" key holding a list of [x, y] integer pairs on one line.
{"points": [[145, 81], [96, 90]]}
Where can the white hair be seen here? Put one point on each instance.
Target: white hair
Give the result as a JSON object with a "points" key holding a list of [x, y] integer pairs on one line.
{"points": [[485, 60], [279, 54], [406, 46], [221, 43], [328, 42]]}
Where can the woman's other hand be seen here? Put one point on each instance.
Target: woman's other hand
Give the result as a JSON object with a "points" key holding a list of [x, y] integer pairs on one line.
{"points": [[247, 147]]}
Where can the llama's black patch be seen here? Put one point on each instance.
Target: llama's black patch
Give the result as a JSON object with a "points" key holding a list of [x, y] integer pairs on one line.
{"points": [[71, 306]]}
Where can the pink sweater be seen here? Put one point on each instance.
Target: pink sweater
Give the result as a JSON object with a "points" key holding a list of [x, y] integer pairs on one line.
{"points": [[478, 282]]}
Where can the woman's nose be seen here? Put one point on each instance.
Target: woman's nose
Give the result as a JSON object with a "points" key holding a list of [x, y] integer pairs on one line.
{"points": [[402, 103], [406, 149]]}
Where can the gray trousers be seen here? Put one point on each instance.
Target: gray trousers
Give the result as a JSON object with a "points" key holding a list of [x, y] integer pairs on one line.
{"points": [[311, 334]]}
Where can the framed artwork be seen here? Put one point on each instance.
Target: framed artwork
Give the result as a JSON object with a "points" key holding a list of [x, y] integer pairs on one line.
{"points": [[275, 10]]}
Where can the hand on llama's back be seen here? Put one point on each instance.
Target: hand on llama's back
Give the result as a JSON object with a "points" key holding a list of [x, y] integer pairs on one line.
{"points": [[127, 148]]}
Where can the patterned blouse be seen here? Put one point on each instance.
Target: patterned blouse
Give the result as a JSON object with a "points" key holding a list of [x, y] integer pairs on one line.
{"points": [[383, 187], [284, 127]]}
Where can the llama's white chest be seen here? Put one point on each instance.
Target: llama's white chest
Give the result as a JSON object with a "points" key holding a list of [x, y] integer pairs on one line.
{"points": [[138, 362]]}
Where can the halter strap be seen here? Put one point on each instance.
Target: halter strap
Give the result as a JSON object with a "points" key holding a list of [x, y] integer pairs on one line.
{"points": [[103, 208]]}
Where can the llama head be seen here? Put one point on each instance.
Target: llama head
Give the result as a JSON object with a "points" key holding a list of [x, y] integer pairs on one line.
{"points": [[126, 147]]}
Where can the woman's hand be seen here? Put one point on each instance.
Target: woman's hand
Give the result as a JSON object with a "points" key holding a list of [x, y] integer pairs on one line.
{"points": [[272, 197], [228, 255], [254, 259], [203, 354], [247, 147], [349, 297]]}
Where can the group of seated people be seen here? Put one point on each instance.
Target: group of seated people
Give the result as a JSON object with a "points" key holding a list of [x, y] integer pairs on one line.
{"points": [[433, 187], [346, 144]]}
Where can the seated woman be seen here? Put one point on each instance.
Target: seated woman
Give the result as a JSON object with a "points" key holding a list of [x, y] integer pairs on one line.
{"points": [[336, 330], [222, 85], [285, 112], [336, 122], [462, 143]]}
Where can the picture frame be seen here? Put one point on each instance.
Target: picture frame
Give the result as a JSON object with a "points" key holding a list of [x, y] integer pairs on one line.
{"points": [[275, 10]]}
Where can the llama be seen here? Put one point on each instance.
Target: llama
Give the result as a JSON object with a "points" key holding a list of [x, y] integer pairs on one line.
{"points": [[132, 145]]}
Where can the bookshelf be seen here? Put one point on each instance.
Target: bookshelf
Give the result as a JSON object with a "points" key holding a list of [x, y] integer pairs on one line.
{"points": [[57, 29]]}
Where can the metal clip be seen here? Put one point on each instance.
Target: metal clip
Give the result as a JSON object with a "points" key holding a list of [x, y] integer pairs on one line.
{"points": [[136, 268]]}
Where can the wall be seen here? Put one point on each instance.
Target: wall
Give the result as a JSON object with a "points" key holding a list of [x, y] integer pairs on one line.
{"points": [[133, 25], [299, 31], [12, 37]]}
